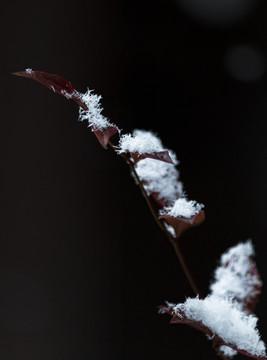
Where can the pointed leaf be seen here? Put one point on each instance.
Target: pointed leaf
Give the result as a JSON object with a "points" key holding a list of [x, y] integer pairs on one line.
{"points": [[181, 224], [61, 86], [159, 155], [54, 82], [199, 317], [104, 135]]}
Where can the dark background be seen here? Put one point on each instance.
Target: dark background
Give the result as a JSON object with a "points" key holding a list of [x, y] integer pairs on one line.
{"points": [[83, 266]]}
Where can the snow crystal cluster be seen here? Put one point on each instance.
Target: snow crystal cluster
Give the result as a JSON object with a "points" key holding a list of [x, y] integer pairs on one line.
{"points": [[159, 177], [225, 310], [225, 318], [93, 114], [227, 351], [141, 142], [233, 278], [183, 208]]}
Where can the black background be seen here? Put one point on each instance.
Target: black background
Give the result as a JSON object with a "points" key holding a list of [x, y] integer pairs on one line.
{"points": [[83, 266]]}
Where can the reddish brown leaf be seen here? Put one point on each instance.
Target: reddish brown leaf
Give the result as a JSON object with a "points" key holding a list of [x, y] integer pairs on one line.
{"points": [[54, 82], [64, 87], [103, 136], [181, 318], [181, 224], [194, 324], [160, 155], [248, 354], [217, 347]]}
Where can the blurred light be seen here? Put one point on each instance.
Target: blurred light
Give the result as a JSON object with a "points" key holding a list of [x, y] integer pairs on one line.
{"points": [[245, 63], [221, 12]]}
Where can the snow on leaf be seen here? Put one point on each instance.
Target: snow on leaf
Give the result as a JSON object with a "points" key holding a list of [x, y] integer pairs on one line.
{"points": [[227, 351], [183, 208], [183, 215], [160, 179], [237, 276], [161, 182], [92, 113], [143, 144], [181, 224], [90, 108], [223, 320], [160, 155]]}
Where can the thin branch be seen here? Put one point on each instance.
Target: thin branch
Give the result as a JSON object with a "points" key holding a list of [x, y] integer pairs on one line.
{"points": [[174, 241], [185, 267]]}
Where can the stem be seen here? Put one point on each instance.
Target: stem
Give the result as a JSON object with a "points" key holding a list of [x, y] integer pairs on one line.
{"points": [[160, 224], [174, 241], [144, 193], [185, 267]]}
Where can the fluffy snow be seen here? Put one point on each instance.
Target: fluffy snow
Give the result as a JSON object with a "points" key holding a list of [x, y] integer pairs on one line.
{"points": [[226, 319], [141, 142], [233, 278], [170, 229], [160, 177], [183, 208], [227, 351], [93, 114]]}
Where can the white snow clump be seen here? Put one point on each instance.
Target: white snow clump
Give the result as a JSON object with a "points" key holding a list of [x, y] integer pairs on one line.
{"points": [[161, 178], [227, 351], [183, 208], [226, 319], [93, 114], [233, 278], [141, 142]]}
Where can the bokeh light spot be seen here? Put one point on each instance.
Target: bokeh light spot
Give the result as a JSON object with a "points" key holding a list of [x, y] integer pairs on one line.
{"points": [[218, 12], [245, 63]]}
